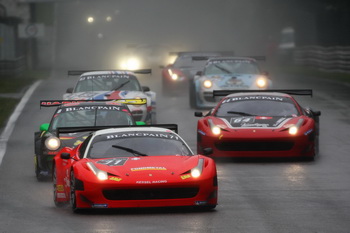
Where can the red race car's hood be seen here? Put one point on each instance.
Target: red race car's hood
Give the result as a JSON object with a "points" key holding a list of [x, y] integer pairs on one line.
{"points": [[139, 166]]}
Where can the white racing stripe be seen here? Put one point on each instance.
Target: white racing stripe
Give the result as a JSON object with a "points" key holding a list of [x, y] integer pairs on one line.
{"points": [[13, 118]]}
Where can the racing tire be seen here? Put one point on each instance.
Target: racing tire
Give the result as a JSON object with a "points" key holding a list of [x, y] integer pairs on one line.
{"points": [[73, 196], [316, 151], [192, 94], [54, 182], [38, 174]]}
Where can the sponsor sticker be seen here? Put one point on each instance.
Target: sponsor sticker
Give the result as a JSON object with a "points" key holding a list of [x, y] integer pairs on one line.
{"points": [[242, 98], [61, 195], [143, 134], [115, 178], [148, 169], [184, 177], [113, 161], [59, 188], [151, 182]]}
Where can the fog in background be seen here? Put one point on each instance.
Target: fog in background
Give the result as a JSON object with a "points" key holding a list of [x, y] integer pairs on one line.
{"points": [[154, 28]]}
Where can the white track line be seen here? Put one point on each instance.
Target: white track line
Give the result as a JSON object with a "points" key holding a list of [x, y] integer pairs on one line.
{"points": [[13, 118]]}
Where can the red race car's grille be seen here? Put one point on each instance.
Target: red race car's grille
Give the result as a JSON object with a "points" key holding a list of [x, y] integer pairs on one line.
{"points": [[255, 146], [150, 194]]}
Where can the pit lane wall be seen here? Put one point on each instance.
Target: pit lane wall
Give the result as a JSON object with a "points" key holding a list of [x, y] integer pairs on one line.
{"points": [[328, 59]]}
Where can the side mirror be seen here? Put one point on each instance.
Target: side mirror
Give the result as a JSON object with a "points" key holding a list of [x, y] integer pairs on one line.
{"points": [[65, 155], [44, 127], [198, 114], [312, 113], [208, 151], [316, 113], [145, 88], [69, 90]]}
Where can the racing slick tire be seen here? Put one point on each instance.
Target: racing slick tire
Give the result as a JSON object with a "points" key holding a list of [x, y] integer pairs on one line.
{"points": [[39, 176], [192, 94], [73, 197], [54, 181], [316, 150]]}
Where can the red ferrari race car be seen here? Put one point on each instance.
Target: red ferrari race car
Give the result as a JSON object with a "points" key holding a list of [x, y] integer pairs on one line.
{"points": [[125, 167], [264, 123]]}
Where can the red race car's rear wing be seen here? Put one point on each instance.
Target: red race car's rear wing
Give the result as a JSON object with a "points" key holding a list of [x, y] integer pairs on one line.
{"points": [[80, 72], [286, 91], [55, 103], [65, 130]]}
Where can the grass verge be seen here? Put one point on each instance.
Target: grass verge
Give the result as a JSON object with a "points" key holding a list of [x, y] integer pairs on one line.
{"points": [[16, 84], [6, 108]]}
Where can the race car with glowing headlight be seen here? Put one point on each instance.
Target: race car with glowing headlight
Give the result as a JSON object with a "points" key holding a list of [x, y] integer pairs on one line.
{"points": [[185, 65], [266, 123], [73, 113], [226, 73], [127, 167], [115, 84]]}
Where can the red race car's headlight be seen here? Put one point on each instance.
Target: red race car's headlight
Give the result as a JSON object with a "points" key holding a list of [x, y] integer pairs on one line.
{"points": [[197, 171], [101, 175]]}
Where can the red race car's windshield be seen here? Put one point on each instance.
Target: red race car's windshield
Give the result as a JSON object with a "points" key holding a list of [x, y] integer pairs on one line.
{"points": [[257, 108], [129, 146]]}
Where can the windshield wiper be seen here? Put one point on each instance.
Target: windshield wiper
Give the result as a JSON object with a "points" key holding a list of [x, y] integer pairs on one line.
{"points": [[241, 113], [134, 152], [223, 69], [120, 86]]}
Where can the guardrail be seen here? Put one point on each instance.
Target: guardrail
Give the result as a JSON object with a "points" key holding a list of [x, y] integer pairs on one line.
{"points": [[12, 67], [329, 59]]}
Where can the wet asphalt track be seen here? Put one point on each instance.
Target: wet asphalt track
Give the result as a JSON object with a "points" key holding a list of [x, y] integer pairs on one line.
{"points": [[254, 196]]}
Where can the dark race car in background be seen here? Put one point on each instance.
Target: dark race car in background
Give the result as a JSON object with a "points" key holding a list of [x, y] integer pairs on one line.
{"points": [[186, 64], [226, 73], [115, 84], [73, 114], [126, 168], [259, 124]]}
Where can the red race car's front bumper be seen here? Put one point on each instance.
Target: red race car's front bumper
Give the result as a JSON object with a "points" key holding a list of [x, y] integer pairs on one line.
{"points": [[152, 194]]}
